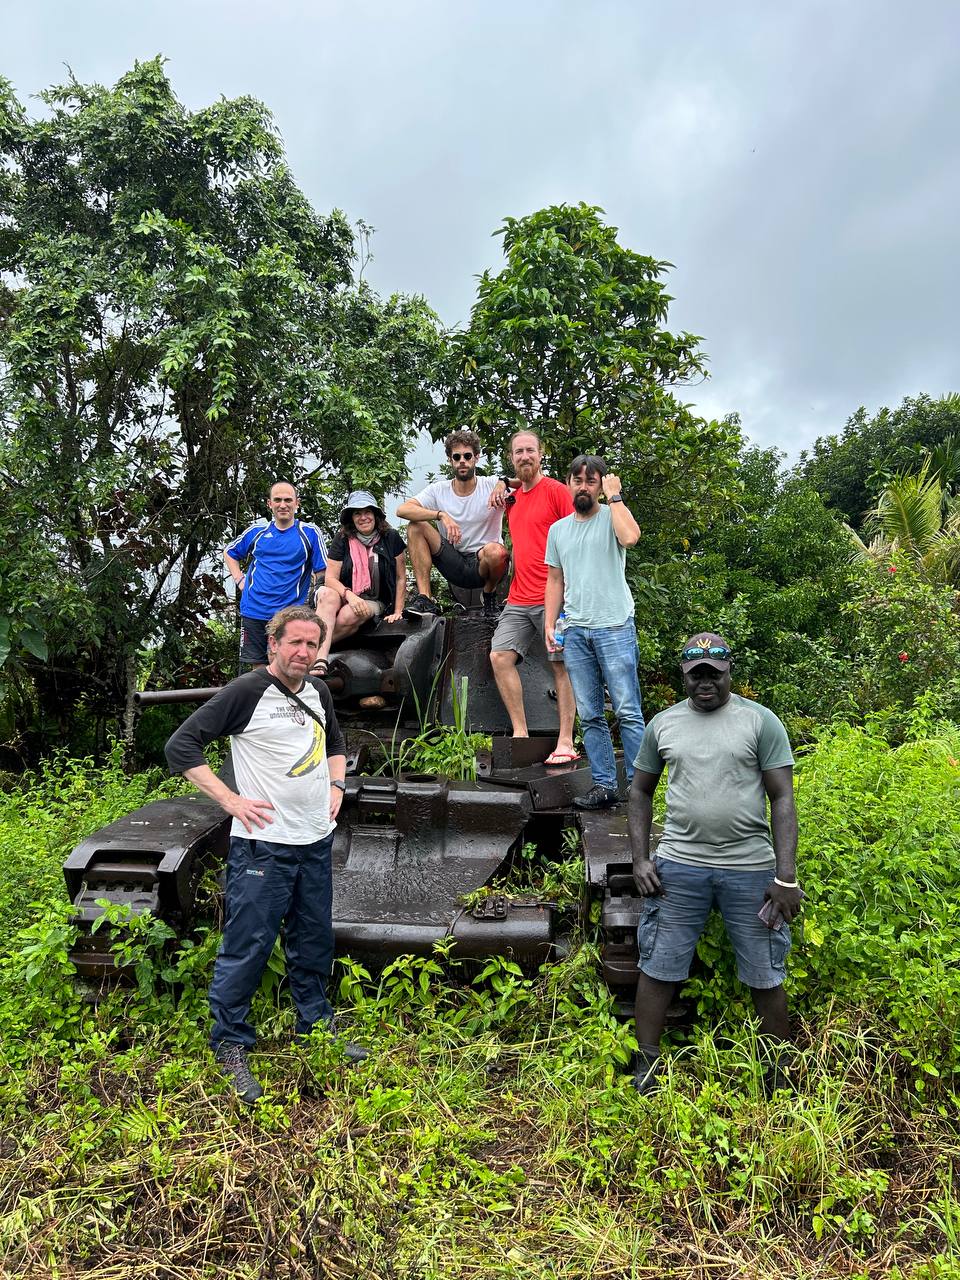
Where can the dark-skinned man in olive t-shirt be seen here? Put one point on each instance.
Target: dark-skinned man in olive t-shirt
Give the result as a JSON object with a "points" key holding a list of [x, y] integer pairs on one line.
{"points": [[726, 757]]}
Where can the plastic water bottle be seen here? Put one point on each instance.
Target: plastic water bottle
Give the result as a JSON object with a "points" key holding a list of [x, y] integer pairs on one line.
{"points": [[559, 629]]}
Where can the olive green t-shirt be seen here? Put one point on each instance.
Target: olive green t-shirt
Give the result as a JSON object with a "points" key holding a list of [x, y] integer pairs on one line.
{"points": [[716, 802]]}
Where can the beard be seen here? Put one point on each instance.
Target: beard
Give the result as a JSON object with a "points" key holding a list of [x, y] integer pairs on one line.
{"points": [[583, 502]]}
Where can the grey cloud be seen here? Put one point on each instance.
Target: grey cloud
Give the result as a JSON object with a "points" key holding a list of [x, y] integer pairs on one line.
{"points": [[798, 164]]}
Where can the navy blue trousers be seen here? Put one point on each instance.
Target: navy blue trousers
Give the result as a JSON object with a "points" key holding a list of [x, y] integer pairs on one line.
{"points": [[269, 886]]}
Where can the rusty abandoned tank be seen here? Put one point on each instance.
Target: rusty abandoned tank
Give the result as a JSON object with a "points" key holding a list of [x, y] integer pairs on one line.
{"points": [[409, 848]]}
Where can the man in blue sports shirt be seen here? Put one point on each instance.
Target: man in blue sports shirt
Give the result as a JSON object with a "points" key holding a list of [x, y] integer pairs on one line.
{"points": [[281, 556]]}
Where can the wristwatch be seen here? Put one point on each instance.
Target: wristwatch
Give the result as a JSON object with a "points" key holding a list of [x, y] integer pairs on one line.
{"points": [[615, 497], [335, 782]]}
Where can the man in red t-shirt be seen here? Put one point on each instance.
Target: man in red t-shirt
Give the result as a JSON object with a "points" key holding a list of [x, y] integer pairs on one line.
{"points": [[539, 501]]}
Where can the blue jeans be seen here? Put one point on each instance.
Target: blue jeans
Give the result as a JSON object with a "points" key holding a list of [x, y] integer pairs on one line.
{"points": [[269, 885], [595, 656]]}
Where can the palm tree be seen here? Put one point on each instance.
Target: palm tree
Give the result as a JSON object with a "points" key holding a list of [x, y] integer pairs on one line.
{"points": [[916, 516]]}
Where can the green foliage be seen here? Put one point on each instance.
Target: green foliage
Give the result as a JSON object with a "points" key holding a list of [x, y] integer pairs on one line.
{"points": [[880, 829], [849, 470], [771, 576], [915, 519], [904, 646], [174, 314], [568, 339], [448, 751], [496, 1131]]}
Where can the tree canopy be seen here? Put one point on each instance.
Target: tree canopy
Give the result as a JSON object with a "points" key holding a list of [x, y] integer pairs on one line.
{"points": [[177, 328], [568, 339], [850, 470]]}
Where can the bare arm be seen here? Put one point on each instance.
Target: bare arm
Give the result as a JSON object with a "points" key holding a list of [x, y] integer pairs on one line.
{"points": [[553, 603], [235, 569], [359, 606], [639, 822], [625, 527], [252, 813], [778, 784], [401, 594], [411, 510], [338, 771]]}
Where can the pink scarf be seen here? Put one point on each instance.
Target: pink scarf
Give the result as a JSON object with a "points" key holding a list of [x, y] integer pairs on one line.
{"points": [[360, 559]]}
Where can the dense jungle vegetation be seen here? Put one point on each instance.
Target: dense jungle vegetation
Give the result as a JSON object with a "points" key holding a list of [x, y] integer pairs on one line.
{"points": [[177, 327]]}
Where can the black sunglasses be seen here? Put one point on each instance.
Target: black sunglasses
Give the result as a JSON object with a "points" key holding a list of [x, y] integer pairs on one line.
{"points": [[464, 457], [719, 651]]}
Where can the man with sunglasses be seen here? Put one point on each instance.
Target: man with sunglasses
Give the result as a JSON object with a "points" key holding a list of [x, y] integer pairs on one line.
{"points": [[726, 756], [452, 524], [273, 563]]}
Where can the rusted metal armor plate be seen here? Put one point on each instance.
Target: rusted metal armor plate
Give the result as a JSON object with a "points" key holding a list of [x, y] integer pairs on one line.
{"points": [[608, 862], [407, 850], [468, 651]]}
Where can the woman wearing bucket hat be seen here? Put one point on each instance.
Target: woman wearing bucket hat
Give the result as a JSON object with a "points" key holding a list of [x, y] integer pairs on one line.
{"points": [[366, 577]]}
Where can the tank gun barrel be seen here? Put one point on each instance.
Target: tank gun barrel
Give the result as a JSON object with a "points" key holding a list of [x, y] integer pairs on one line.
{"points": [[160, 697]]}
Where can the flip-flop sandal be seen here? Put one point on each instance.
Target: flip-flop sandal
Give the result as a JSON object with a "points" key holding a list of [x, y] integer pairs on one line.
{"points": [[562, 757]]}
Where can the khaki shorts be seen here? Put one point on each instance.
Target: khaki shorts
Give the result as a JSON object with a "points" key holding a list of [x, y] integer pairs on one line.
{"points": [[520, 626]]}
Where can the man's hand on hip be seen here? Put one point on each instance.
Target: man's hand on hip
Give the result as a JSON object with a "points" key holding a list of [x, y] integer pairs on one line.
{"points": [[254, 814]]}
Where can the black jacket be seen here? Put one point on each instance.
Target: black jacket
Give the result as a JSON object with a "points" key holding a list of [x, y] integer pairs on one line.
{"points": [[387, 549]]}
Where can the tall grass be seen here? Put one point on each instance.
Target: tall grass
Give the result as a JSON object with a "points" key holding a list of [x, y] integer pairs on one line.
{"points": [[495, 1132]]}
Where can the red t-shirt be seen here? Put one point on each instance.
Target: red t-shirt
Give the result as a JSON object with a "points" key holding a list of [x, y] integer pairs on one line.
{"points": [[530, 518]]}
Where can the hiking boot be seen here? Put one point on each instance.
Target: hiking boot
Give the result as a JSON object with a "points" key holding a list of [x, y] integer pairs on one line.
{"points": [[354, 1053], [422, 605], [232, 1059], [491, 605], [648, 1067], [598, 798], [780, 1075]]}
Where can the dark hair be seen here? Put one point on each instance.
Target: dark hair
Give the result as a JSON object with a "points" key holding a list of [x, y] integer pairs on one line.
{"points": [[294, 613], [594, 466], [348, 528], [274, 483], [462, 437], [526, 431]]}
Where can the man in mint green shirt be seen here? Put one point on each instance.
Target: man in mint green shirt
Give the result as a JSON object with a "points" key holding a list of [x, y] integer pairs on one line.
{"points": [[586, 558], [726, 756]]}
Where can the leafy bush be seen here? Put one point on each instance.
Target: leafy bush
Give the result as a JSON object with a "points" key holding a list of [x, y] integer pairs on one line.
{"points": [[496, 1121]]}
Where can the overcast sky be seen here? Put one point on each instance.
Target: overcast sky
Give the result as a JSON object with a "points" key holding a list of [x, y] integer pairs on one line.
{"points": [[799, 164]]}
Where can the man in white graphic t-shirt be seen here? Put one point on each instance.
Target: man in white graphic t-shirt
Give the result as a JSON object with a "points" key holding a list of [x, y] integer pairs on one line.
{"points": [[467, 543], [289, 760]]}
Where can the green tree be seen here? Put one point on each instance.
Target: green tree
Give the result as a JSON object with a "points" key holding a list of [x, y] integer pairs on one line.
{"points": [[849, 470], [177, 327], [568, 340], [771, 576], [915, 519]]}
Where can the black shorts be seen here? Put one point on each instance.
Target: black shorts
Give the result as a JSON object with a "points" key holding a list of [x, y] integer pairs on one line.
{"points": [[460, 568], [253, 641]]}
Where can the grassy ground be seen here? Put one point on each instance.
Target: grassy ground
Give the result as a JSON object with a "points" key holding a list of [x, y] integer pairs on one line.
{"points": [[494, 1132]]}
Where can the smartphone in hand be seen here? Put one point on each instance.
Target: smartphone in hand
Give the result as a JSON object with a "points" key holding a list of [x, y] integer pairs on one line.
{"points": [[765, 913]]}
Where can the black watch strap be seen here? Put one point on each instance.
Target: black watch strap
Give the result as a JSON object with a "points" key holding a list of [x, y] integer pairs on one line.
{"points": [[336, 782]]}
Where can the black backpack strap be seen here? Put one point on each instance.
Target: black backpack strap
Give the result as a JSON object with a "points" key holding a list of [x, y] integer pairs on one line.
{"points": [[278, 684]]}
